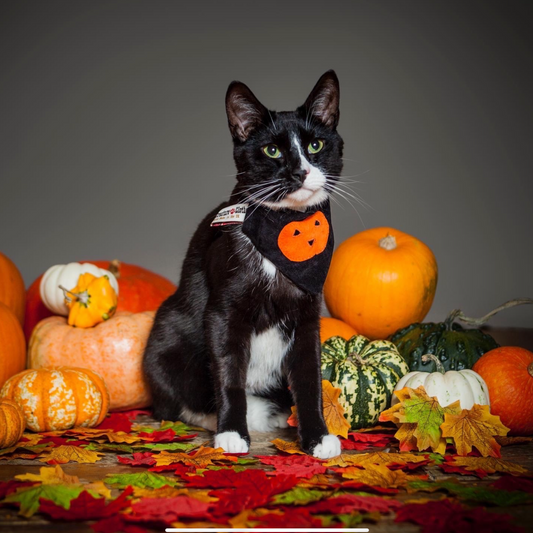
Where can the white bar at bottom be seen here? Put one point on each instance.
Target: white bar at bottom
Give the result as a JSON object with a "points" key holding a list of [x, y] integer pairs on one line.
{"points": [[269, 529]]}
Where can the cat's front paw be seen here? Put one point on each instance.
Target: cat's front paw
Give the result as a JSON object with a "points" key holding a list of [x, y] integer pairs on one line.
{"points": [[231, 442], [329, 446]]}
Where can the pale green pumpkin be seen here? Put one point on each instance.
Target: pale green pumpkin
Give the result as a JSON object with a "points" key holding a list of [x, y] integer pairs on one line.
{"points": [[366, 372]]}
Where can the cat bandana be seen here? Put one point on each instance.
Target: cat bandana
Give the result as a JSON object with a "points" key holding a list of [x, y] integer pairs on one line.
{"points": [[298, 243]]}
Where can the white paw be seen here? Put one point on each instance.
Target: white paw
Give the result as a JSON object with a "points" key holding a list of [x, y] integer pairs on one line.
{"points": [[231, 442], [329, 447]]}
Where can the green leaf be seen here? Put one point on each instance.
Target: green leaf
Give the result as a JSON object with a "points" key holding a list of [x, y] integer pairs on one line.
{"points": [[142, 480], [116, 448], [299, 496], [437, 458], [168, 446], [351, 520], [179, 427], [28, 497]]}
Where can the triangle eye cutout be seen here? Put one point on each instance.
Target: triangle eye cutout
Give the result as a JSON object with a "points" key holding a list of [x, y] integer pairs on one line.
{"points": [[317, 223], [296, 232]]}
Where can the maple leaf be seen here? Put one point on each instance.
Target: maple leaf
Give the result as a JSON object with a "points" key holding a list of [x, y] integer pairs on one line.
{"points": [[377, 475], [165, 446], [203, 457], [299, 496], [333, 410], [138, 459], [296, 518], [348, 503], [443, 516], [375, 458], [7, 487], [474, 427], [298, 465], [363, 487], [50, 476], [287, 447], [168, 510], [416, 407], [142, 479], [28, 497], [489, 464], [86, 507], [514, 483], [65, 454], [116, 422], [116, 523]]}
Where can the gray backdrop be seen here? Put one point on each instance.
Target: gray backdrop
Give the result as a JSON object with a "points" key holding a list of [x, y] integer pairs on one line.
{"points": [[114, 142]]}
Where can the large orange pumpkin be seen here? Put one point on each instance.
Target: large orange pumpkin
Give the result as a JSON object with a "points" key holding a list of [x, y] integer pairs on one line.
{"points": [[381, 280], [508, 373], [332, 327], [12, 423], [12, 290], [139, 290], [114, 349], [54, 399], [12, 345]]}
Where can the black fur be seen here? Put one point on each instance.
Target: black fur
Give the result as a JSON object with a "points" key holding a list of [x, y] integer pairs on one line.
{"points": [[199, 347]]}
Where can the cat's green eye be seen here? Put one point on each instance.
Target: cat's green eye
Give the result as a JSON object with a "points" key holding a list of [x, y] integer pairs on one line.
{"points": [[315, 146], [272, 151]]}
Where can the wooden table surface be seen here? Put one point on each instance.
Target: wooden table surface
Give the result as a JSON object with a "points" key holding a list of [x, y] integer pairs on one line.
{"points": [[261, 445]]}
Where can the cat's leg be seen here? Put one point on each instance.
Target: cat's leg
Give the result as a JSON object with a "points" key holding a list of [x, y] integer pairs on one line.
{"points": [[229, 348], [305, 379]]}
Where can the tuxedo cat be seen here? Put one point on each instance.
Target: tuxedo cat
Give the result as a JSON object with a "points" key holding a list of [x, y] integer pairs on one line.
{"points": [[238, 343]]}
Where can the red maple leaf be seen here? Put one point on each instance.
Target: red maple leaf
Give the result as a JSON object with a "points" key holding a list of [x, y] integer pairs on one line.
{"points": [[117, 422], [514, 483], [454, 469], [7, 487], [85, 507], [166, 435], [363, 487], [168, 510], [62, 441], [140, 459], [443, 516], [348, 503], [292, 517], [116, 523], [297, 465]]}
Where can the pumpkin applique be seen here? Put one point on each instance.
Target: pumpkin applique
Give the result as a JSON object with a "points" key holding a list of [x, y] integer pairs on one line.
{"points": [[302, 240]]}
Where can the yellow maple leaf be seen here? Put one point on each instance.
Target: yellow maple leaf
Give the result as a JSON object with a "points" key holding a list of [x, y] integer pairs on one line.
{"points": [[51, 476], [374, 458], [474, 427], [378, 476], [98, 487], [171, 492], [333, 411], [490, 465], [64, 454], [203, 457], [287, 446]]}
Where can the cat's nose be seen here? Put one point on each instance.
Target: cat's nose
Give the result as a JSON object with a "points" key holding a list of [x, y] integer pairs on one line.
{"points": [[300, 175]]}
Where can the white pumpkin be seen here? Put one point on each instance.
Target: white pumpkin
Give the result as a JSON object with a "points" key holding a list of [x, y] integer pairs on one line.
{"points": [[67, 276], [466, 386]]}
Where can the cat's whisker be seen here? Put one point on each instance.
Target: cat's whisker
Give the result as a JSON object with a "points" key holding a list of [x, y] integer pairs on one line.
{"points": [[344, 193]]}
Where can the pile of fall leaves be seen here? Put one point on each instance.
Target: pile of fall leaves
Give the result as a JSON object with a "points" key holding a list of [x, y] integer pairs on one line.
{"points": [[178, 481]]}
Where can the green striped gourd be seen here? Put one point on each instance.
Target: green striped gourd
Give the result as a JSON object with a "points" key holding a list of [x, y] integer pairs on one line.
{"points": [[366, 372]]}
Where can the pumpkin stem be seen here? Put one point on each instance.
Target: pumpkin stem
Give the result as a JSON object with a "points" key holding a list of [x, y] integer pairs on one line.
{"points": [[430, 357], [457, 314], [530, 369], [82, 297], [388, 242], [114, 268], [358, 359]]}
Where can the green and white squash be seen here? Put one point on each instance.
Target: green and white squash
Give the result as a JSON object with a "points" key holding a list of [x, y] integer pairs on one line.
{"points": [[366, 372], [466, 385]]}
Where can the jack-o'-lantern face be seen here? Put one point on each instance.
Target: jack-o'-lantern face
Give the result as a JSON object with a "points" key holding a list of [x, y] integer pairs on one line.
{"points": [[302, 240]]}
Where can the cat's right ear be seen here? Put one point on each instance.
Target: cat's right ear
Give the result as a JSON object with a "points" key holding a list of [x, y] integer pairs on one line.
{"points": [[245, 112]]}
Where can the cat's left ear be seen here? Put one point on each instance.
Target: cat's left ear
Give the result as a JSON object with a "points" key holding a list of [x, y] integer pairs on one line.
{"points": [[245, 112], [323, 102]]}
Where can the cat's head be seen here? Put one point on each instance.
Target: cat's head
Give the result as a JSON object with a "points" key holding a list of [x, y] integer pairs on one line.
{"points": [[286, 159]]}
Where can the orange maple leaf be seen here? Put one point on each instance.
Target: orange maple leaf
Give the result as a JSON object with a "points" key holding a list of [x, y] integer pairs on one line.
{"points": [[490, 465], [65, 454], [378, 476], [474, 427], [287, 447], [203, 457], [375, 458]]}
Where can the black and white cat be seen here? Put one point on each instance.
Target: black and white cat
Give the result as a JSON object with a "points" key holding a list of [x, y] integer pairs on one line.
{"points": [[238, 332]]}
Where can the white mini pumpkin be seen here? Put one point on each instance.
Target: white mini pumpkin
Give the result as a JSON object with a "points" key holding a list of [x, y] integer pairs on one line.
{"points": [[67, 276], [466, 386]]}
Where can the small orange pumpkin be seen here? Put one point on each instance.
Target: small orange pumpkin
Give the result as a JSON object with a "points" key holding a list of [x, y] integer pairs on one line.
{"points": [[302, 240], [381, 280], [114, 349], [12, 290], [12, 423], [54, 399], [12, 345], [508, 373], [332, 327]]}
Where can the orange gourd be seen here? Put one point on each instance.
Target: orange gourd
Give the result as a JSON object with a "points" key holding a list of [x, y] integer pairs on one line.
{"points": [[114, 349], [12, 423], [508, 373], [12, 290], [381, 280], [54, 399], [12, 345], [331, 327]]}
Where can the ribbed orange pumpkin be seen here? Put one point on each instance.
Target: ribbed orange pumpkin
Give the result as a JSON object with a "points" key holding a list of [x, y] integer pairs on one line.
{"points": [[12, 290], [332, 327], [12, 423], [508, 373], [113, 348], [381, 280], [59, 398], [12, 345]]}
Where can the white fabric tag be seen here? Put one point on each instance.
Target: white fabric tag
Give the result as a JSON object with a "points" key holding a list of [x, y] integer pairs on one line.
{"points": [[233, 214]]}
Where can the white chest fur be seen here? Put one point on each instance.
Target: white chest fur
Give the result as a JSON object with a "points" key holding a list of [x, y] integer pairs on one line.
{"points": [[267, 350]]}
